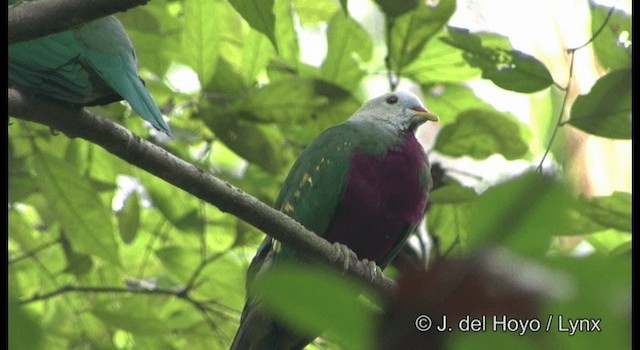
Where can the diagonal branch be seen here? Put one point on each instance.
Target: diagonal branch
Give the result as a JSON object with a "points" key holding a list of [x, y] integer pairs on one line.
{"points": [[31, 20], [157, 161]]}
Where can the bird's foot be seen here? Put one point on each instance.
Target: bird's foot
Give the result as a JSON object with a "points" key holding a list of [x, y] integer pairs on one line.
{"points": [[372, 272], [369, 270], [344, 252]]}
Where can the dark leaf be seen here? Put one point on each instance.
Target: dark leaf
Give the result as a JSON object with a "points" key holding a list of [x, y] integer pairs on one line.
{"points": [[509, 69], [259, 15], [611, 52], [606, 110], [411, 31]]}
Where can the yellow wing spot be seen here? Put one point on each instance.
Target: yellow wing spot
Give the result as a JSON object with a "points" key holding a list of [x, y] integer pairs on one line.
{"points": [[288, 208], [304, 179], [296, 194]]}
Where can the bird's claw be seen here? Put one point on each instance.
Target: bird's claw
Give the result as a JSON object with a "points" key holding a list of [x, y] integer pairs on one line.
{"points": [[371, 271], [344, 252]]}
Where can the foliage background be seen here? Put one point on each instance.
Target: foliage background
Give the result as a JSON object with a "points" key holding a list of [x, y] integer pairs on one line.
{"points": [[103, 255]]}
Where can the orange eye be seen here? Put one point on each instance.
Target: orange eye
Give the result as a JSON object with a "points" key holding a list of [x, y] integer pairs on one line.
{"points": [[393, 99]]}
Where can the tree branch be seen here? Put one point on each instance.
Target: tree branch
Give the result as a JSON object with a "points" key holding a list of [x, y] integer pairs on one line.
{"points": [[31, 20], [157, 161]]}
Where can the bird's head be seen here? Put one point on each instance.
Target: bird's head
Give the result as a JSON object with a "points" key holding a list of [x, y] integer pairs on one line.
{"points": [[401, 110]]}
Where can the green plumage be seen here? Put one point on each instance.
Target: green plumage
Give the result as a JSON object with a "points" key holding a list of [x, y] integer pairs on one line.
{"points": [[90, 65]]}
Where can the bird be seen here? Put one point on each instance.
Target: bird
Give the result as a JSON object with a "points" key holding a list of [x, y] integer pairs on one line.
{"points": [[93, 64], [362, 184]]}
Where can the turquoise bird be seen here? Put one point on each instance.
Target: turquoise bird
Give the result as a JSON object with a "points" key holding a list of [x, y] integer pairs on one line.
{"points": [[93, 64], [362, 184]]}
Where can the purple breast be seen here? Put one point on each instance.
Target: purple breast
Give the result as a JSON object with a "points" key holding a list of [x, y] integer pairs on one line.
{"points": [[384, 197]]}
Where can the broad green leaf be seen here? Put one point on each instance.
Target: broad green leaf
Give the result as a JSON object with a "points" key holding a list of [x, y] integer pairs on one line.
{"points": [[259, 15], [452, 194], [599, 289], [612, 211], [610, 46], [200, 37], [257, 143], [411, 31], [129, 218], [395, 8], [78, 264], [256, 54], [226, 81], [84, 217], [608, 241], [509, 69], [449, 100], [175, 204], [345, 8], [341, 104], [134, 316], [314, 300], [179, 261], [284, 101], [449, 223], [522, 214], [348, 44], [439, 63], [24, 330], [480, 133], [286, 35], [155, 34], [313, 12], [606, 110], [21, 231]]}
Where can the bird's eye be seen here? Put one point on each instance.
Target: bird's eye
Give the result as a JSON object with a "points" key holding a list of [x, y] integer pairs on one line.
{"points": [[393, 99]]}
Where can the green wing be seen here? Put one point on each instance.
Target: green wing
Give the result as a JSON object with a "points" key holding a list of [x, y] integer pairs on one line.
{"points": [[84, 66], [317, 181], [109, 52], [50, 66]]}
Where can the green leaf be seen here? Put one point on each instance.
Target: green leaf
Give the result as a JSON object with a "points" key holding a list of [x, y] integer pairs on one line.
{"points": [[411, 31], [606, 110], [284, 101], [133, 316], [395, 8], [612, 211], [439, 63], [256, 54], [200, 37], [509, 69], [449, 100], [174, 204], [611, 53], [522, 214], [345, 39], [314, 300], [85, 219], [24, 330], [600, 289], [452, 194], [286, 35], [480, 133], [179, 261], [129, 218], [259, 15], [609, 241], [77, 264], [450, 224], [313, 12]]}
